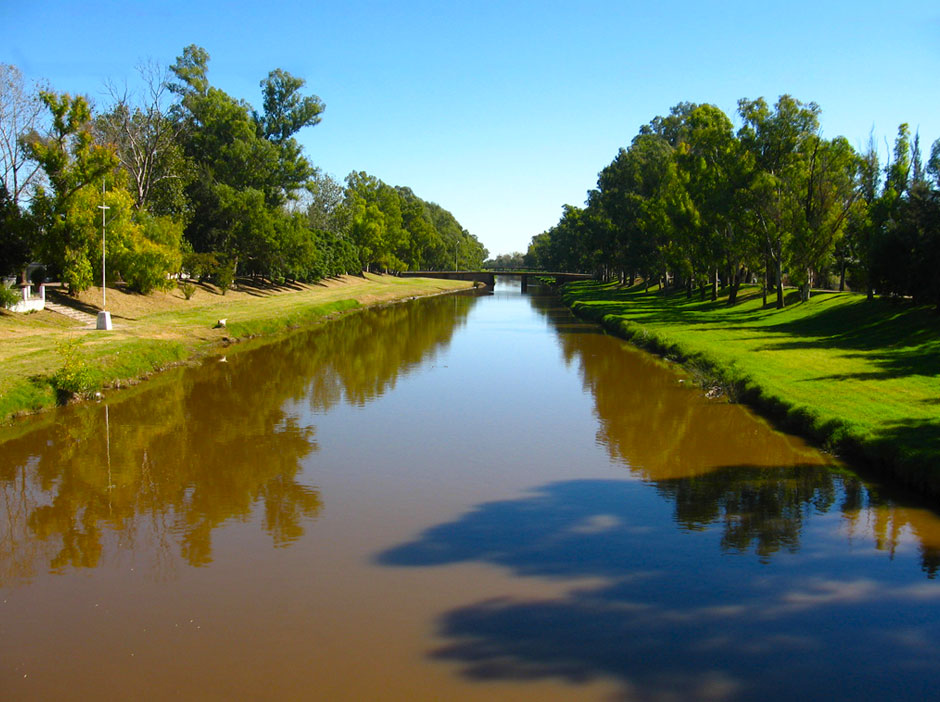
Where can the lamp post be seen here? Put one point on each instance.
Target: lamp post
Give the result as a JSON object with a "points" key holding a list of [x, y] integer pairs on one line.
{"points": [[104, 317]]}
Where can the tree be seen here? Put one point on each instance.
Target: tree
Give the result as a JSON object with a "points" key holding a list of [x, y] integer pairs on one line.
{"points": [[777, 141], [324, 204], [247, 166], [829, 195], [15, 240], [20, 121], [148, 142], [72, 162], [712, 168], [286, 112], [889, 253]]}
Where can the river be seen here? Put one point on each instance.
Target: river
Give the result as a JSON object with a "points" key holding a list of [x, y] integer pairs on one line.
{"points": [[457, 498]]}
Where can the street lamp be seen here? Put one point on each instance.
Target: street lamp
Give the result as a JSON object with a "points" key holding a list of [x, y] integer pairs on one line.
{"points": [[104, 317]]}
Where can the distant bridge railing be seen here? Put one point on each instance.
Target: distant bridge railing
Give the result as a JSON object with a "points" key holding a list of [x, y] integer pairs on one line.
{"points": [[488, 278]]}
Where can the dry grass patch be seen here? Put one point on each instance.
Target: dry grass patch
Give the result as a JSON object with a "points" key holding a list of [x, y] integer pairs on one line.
{"points": [[154, 331]]}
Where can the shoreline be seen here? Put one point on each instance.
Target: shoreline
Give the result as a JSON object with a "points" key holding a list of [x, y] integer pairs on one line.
{"points": [[884, 455], [155, 333]]}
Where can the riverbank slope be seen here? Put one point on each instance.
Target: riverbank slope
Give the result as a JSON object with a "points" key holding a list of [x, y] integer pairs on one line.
{"points": [[860, 378], [44, 350]]}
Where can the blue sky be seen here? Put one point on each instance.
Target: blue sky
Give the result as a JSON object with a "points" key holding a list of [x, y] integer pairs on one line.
{"points": [[502, 112]]}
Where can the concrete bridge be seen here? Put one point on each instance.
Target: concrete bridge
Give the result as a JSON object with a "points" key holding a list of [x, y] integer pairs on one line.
{"points": [[488, 278]]}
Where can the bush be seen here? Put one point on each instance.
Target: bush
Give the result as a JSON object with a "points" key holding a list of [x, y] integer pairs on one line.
{"points": [[188, 289], [74, 377], [199, 265], [8, 296], [225, 276]]}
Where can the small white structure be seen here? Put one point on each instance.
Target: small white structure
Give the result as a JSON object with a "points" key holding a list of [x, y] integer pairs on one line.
{"points": [[104, 321], [30, 303]]}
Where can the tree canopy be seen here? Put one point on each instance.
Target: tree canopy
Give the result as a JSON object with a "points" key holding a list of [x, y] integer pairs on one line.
{"points": [[694, 203], [198, 182]]}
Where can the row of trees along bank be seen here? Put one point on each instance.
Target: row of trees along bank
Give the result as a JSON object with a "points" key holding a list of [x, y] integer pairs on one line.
{"points": [[197, 182], [692, 202]]}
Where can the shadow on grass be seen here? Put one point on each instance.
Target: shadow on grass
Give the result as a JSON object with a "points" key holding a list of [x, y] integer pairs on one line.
{"points": [[61, 298], [655, 606], [900, 338]]}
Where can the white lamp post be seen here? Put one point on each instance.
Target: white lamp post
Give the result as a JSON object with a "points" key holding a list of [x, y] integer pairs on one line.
{"points": [[104, 317]]}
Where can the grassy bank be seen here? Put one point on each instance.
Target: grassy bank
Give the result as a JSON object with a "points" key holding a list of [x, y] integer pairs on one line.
{"points": [[860, 378], [153, 332]]}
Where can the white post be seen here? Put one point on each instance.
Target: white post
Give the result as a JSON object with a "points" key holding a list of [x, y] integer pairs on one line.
{"points": [[104, 317]]}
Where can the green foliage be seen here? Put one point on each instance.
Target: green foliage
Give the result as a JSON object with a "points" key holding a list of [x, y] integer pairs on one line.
{"points": [[153, 254], [72, 162], [188, 289], [15, 236], [194, 176], [224, 276], [785, 361], [76, 270], [690, 202], [8, 296], [199, 265], [74, 378]]}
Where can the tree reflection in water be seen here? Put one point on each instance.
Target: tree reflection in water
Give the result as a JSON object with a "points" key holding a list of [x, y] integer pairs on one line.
{"points": [[667, 614], [665, 596], [717, 464], [164, 466]]}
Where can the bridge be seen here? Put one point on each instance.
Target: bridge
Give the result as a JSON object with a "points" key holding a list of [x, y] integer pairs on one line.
{"points": [[488, 278]]}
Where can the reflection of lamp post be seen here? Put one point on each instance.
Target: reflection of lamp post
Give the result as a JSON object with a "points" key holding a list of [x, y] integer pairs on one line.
{"points": [[104, 317]]}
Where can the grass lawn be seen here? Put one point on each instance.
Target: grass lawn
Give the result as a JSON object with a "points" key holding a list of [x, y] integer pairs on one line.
{"points": [[862, 378], [152, 332]]}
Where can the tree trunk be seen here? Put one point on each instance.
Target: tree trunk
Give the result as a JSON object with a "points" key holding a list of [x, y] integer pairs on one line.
{"points": [[842, 277], [779, 271], [715, 286], [734, 282]]}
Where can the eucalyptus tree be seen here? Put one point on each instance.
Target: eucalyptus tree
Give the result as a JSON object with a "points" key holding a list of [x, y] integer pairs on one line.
{"points": [[888, 252], [711, 166], [641, 193], [777, 141], [830, 193]]}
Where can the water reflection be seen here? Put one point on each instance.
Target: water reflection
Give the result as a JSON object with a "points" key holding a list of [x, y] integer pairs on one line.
{"points": [[721, 467], [671, 619], [160, 468]]}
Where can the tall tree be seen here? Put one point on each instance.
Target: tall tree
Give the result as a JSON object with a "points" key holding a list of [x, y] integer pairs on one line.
{"points": [[830, 193], [777, 140], [72, 162], [148, 141], [21, 111]]}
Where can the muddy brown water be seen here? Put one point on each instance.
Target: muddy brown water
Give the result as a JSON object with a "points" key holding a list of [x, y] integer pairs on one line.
{"points": [[461, 498]]}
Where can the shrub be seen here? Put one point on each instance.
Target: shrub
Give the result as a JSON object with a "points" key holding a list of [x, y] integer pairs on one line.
{"points": [[225, 276], [188, 289], [8, 296], [74, 377], [199, 265]]}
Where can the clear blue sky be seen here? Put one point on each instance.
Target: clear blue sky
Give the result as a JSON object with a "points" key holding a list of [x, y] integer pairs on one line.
{"points": [[502, 112]]}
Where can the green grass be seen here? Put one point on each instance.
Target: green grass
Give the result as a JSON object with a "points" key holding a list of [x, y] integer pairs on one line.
{"points": [[861, 378], [148, 340]]}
